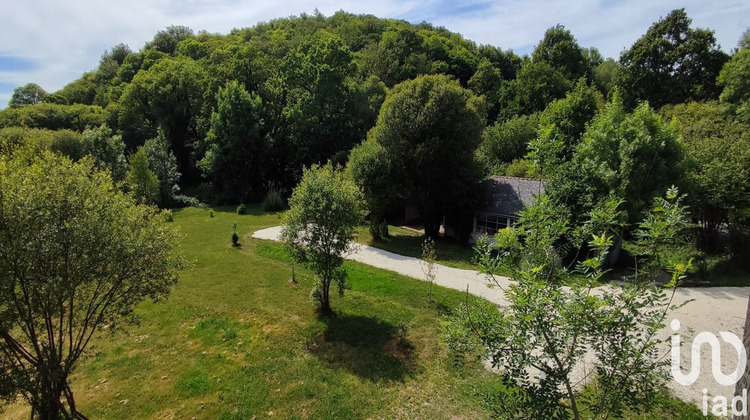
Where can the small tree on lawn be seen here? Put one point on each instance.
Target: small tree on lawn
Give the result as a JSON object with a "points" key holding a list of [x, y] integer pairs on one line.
{"points": [[76, 254], [325, 209], [555, 319]]}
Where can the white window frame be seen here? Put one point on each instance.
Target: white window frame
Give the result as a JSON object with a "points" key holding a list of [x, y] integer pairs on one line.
{"points": [[489, 223]]}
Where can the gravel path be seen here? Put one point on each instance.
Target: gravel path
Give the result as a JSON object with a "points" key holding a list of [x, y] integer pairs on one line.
{"points": [[712, 309]]}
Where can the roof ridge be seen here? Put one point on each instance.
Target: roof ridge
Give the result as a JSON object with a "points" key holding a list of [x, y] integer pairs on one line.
{"points": [[516, 177]]}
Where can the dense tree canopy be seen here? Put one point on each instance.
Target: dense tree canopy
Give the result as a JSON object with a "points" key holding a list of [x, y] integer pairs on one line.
{"points": [[30, 94], [537, 84], [107, 150], [318, 84], [672, 63], [563, 122], [371, 170], [236, 145], [735, 78], [169, 95], [717, 150], [502, 143], [430, 128], [53, 116], [631, 156], [559, 49]]}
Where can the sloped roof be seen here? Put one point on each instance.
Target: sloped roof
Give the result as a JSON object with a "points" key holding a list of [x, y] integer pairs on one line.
{"points": [[508, 195]]}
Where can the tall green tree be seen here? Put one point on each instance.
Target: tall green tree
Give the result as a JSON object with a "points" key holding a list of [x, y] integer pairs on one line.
{"points": [[107, 150], [236, 144], [371, 169], [502, 143], [735, 78], [141, 180], [430, 128], [631, 156], [604, 75], [168, 95], [560, 49], [563, 122], [486, 82], [76, 254], [324, 212], [537, 84], [319, 108], [29, 94], [717, 171], [672, 63], [162, 161]]}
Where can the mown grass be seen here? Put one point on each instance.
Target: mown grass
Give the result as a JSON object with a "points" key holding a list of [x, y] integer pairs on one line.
{"points": [[406, 242], [237, 340]]}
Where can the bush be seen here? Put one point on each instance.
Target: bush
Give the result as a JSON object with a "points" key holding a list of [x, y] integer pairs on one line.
{"points": [[53, 117], [384, 229], [242, 209], [211, 213], [235, 236], [68, 143], [522, 168], [182, 200], [273, 201], [167, 215]]}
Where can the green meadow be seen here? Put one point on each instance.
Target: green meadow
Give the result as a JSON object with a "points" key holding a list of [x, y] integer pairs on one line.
{"points": [[237, 339]]}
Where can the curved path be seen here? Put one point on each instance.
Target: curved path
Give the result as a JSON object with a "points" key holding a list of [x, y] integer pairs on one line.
{"points": [[713, 309]]}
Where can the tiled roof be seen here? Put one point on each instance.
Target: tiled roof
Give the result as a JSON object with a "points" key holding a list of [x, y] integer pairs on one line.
{"points": [[508, 195]]}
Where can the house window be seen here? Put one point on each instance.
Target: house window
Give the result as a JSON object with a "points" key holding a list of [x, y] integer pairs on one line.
{"points": [[489, 224]]}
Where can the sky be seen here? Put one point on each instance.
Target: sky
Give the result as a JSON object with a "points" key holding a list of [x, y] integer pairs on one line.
{"points": [[52, 42]]}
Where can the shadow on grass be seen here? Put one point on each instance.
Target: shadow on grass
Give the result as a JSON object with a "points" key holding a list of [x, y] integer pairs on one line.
{"points": [[365, 346]]}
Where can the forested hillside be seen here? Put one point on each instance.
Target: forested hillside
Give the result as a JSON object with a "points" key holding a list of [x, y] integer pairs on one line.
{"points": [[228, 118]]}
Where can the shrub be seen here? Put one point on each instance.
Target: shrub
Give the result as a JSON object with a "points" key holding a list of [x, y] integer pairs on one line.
{"points": [[167, 215], [242, 209], [182, 200], [522, 168], [235, 236], [384, 229], [211, 213], [68, 143]]}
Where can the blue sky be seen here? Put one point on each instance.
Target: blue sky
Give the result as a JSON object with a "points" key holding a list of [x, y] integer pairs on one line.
{"points": [[52, 42]]}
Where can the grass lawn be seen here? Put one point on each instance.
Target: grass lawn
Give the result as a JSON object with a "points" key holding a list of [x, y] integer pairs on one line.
{"points": [[408, 242], [237, 340]]}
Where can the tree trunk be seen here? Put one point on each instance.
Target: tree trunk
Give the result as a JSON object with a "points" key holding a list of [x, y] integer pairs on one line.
{"points": [[375, 226], [50, 406], [325, 305], [744, 382]]}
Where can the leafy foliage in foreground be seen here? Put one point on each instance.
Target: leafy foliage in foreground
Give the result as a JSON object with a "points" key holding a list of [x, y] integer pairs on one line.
{"points": [[548, 330], [76, 255]]}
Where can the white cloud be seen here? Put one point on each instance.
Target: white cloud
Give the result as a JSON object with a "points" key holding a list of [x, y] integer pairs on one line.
{"points": [[67, 38]]}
